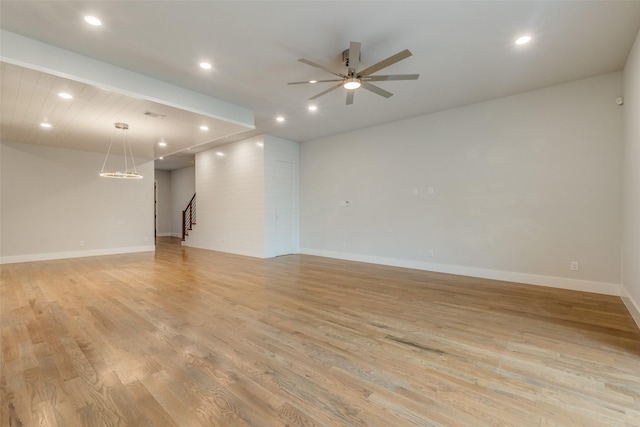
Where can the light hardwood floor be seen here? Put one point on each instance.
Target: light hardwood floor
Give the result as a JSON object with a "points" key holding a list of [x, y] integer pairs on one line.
{"points": [[187, 337]]}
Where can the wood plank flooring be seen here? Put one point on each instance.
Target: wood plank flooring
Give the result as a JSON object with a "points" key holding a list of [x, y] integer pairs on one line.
{"points": [[188, 337]]}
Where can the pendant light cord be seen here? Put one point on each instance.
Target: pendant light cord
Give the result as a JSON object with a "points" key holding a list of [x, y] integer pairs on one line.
{"points": [[107, 156]]}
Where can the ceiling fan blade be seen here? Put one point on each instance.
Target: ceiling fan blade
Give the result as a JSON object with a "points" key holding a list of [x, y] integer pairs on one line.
{"points": [[316, 81], [385, 63], [322, 67], [376, 90], [354, 58], [326, 91], [390, 77], [350, 94]]}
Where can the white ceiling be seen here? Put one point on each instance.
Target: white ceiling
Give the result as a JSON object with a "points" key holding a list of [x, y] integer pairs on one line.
{"points": [[463, 51], [87, 122]]}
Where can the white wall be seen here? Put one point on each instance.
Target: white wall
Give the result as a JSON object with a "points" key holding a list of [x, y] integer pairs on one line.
{"points": [[175, 190], [230, 199], [631, 212], [522, 186], [163, 203], [278, 155], [53, 199], [183, 187]]}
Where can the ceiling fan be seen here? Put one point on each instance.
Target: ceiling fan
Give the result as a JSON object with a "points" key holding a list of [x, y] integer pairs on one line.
{"points": [[355, 79]]}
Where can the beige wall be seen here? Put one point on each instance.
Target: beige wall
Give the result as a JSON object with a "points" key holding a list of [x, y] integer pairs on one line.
{"points": [[281, 202], [163, 203], [522, 186], [55, 205], [631, 212], [183, 187]]}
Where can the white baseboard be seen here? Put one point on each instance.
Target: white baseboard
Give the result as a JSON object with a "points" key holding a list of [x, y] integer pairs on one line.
{"points": [[632, 306], [74, 254], [169, 234], [222, 248], [509, 276]]}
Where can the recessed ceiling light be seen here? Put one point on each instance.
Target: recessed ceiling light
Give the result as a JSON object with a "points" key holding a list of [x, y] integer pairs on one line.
{"points": [[220, 153], [92, 20], [205, 65], [260, 144], [313, 81], [203, 127], [162, 144], [45, 125], [160, 158], [280, 119], [312, 108], [65, 95], [523, 40]]}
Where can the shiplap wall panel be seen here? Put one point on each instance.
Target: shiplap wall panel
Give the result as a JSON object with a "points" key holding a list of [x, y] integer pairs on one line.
{"points": [[230, 199]]}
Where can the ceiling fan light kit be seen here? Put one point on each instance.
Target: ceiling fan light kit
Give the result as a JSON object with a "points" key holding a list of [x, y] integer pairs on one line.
{"points": [[355, 79], [351, 84]]}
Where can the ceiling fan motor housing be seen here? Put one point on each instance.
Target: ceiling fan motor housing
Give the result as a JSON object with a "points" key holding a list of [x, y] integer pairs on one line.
{"points": [[345, 57]]}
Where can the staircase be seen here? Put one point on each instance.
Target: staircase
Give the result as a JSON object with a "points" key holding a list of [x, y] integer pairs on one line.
{"points": [[189, 218]]}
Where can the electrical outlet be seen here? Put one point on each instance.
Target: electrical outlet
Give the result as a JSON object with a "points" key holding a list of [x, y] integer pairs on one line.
{"points": [[414, 191], [430, 190], [575, 266], [430, 252], [81, 243]]}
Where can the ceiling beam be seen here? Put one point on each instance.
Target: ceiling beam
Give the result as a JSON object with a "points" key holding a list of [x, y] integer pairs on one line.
{"points": [[23, 51]]}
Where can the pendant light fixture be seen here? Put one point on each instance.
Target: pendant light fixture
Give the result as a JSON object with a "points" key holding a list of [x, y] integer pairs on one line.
{"points": [[130, 171]]}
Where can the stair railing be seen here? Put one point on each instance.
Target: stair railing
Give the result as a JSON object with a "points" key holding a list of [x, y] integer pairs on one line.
{"points": [[189, 217]]}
